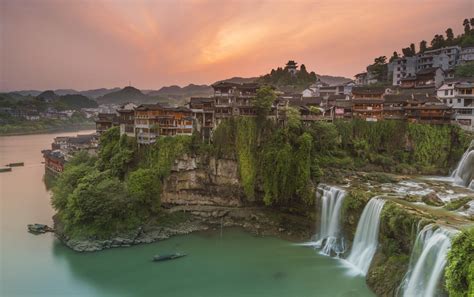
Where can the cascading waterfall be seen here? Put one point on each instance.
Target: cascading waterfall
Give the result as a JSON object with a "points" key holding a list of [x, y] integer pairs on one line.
{"points": [[366, 237], [427, 262], [463, 175], [329, 239]]}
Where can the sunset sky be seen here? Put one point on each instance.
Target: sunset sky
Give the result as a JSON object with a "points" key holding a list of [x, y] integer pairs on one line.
{"points": [[49, 44]]}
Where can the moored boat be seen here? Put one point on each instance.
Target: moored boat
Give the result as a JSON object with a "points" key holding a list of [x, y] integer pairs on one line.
{"points": [[158, 258], [5, 169], [39, 228], [16, 164]]}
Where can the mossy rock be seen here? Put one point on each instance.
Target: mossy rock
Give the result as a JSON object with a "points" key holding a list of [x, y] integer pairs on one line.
{"points": [[459, 272], [352, 208], [432, 199], [387, 273], [458, 203]]}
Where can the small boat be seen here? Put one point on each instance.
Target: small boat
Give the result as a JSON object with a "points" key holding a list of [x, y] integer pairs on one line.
{"points": [[17, 164], [5, 169], [158, 258], [39, 228]]}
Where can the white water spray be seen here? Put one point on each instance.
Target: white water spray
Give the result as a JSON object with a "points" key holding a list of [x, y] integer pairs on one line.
{"points": [[463, 175], [427, 262], [329, 239], [366, 237]]}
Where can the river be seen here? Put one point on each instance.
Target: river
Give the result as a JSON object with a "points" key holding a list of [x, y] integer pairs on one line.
{"points": [[231, 263]]}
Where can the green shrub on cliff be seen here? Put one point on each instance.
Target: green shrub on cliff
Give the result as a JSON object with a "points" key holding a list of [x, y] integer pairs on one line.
{"points": [[144, 187], [118, 190], [459, 272], [245, 145], [116, 152], [98, 205]]}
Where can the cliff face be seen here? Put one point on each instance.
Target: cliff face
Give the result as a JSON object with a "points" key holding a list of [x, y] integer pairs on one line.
{"points": [[195, 181]]}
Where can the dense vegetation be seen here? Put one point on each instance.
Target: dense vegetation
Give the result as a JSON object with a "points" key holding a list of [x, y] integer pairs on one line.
{"points": [[14, 125], [117, 190], [460, 269], [278, 164], [46, 100], [284, 80], [14, 104]]}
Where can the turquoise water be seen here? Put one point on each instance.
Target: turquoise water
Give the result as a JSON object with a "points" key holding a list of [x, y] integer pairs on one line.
{"points": [[233, 263]]}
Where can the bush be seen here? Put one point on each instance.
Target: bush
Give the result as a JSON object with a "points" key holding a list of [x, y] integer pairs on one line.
{"points": [[460, 269]]}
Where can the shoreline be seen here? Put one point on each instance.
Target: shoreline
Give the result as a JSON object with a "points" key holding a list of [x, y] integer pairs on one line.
{"points": [[255, 220], [51, 130]]}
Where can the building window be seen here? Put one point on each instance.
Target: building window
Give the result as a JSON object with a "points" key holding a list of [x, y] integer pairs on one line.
{"points": [[451, 92], [459, 100], [445, 92]]}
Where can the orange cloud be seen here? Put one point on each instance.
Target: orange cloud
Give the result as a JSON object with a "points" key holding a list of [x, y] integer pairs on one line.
{"points": [[88, 44]]}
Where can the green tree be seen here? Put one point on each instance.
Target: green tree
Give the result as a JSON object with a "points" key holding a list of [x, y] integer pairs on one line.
{"points": [[264, 100], [413, 49], [449, 35], [394, 56], [467, 27], [143, 186], [98, 205], [465, 70], [423, 46], [293, 118]]}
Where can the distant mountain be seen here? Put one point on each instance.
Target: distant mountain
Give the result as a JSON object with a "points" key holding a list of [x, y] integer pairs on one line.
{"points": [[48, 96], [187, 91], [61, 92], [239, 80], [28, 92], [96, 93], [333, 80], [127, 94], [77, 101]]}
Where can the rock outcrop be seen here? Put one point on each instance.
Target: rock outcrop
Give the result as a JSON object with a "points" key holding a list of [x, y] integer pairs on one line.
{"points": [[194, 181]]}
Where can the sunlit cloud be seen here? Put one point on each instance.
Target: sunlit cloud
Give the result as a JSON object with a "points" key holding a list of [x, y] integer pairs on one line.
{"points": [[88, 44]]}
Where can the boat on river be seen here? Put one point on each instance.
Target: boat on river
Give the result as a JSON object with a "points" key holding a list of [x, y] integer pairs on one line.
{"points": [[159, 258], [16, 164], [5, 169], [39, 228]]}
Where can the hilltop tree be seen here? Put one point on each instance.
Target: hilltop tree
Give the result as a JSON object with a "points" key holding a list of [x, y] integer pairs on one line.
{"points": [[394, 56], [423, 46], [379, 69], [409, 51], [449, 34], [467, 27], [437, 42]]}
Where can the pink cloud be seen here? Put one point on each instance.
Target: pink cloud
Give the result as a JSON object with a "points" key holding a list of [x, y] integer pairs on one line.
{"points": [[89, 44]]}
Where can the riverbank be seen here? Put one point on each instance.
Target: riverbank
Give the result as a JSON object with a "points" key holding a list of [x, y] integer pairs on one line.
{"points": [[181, 220], [58, 128]]}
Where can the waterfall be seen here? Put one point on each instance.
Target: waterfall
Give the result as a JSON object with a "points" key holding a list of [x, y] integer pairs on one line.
{"points": [[427, 262], [463, 175], [366, 237], [329, 239]]}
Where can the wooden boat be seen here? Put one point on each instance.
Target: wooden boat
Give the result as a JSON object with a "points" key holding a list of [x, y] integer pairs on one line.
{"points": [[5, 169], [39, 228], [159, 258], [17, 164]]}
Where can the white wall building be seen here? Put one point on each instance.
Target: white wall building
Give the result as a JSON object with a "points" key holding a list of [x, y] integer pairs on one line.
{"points": [[402, 68], [467, 55], [460, 96], [445, 58]]}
